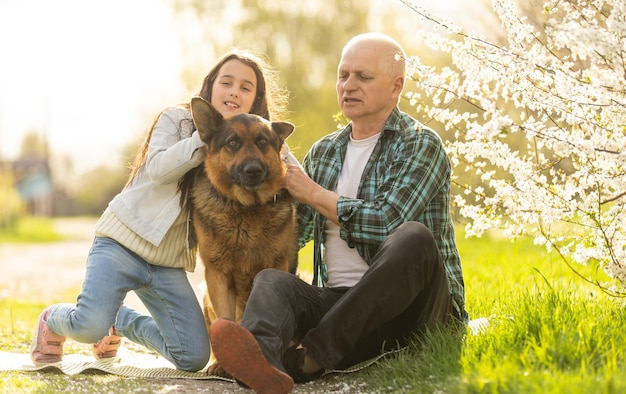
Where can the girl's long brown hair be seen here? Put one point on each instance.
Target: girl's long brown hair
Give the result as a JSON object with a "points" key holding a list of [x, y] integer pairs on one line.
{"points": [[269, 99]]}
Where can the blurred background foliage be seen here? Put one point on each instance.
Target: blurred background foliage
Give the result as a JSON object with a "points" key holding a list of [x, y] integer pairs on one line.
{"points": [[301, 40]]}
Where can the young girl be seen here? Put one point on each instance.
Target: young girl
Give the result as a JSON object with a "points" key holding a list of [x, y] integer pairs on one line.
{"points": [[142, 240]]}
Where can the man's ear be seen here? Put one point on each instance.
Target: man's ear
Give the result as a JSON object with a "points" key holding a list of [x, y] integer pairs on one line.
{"points": [[398, 86]]}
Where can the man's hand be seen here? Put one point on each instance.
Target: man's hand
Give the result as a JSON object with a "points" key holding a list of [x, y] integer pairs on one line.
{"points": [[305, 191]]}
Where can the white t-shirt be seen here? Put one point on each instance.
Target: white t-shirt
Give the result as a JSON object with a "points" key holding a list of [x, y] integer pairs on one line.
{"points": [[345, 265]]}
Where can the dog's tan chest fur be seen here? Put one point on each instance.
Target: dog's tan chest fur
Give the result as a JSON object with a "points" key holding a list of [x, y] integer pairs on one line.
{"points": [[246, 239]]}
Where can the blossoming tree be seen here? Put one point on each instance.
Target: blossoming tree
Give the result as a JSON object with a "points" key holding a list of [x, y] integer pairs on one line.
{"points": [[561, 90]]}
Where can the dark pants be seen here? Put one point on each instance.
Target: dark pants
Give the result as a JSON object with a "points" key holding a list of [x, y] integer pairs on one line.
{"points": [[404, 291]]}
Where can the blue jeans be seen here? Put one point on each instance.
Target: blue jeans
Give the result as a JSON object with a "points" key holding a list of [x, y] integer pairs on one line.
{"points": [[403, 293], [176, 328]]}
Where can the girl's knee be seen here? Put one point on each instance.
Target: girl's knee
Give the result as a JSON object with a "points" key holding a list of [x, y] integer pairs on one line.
{"points": [[193, 362], [192, 359]]}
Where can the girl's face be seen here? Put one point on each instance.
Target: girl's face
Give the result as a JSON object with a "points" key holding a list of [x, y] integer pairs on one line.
{"points": [[234, 89]]}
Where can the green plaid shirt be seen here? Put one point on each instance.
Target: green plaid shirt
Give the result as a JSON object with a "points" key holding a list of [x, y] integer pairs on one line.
{"points": [[407, 178]]}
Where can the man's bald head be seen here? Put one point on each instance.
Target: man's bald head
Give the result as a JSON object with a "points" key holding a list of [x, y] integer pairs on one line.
{"points": [[392, 55]]}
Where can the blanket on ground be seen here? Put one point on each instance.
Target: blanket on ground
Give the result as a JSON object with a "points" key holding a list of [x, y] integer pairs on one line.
{"points": [[132, 363], [128, 363]]}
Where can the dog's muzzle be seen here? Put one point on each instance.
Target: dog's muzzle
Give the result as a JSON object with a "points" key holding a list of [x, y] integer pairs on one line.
{"points": [[250, 174]]}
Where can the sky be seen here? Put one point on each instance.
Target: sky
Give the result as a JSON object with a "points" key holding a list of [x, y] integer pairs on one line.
{"points": [[89, 75]]}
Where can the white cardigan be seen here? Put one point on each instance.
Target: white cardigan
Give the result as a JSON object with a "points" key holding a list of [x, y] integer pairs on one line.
{"points": [[150, 204], [146, 216]]}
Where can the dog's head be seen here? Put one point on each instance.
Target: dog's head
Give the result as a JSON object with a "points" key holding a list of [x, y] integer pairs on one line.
{"points": [[243, 161]]}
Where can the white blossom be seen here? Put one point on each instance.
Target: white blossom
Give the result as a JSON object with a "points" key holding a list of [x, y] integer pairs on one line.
{"points": [[560, 93]]}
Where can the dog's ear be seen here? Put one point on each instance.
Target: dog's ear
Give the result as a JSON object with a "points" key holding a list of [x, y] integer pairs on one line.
{"points": [[283, 129], [206, 118]]}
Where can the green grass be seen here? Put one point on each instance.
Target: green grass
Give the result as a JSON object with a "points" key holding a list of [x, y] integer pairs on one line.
{"points": [[30, 229], [549, 332]]}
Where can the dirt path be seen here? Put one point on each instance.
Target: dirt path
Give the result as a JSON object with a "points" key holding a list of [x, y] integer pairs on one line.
{"points": [[45, 272]]}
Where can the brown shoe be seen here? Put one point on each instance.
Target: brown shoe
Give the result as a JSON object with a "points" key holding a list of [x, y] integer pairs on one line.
{"points": [[238, 352], [47, 347], [107, 346]]}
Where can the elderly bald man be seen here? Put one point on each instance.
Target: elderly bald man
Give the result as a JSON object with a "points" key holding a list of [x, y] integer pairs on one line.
{"points": [[374, 197]]}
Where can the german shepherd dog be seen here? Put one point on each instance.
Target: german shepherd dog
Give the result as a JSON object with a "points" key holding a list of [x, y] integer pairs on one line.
{"points": [[243, 219]]}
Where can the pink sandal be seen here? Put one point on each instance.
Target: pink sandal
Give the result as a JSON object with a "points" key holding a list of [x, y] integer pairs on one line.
{"points": [[107, 346], [47, 347]]}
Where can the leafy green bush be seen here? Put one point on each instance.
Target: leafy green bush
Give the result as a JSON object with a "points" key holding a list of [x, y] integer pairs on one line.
{"points": [[12, 205]]}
